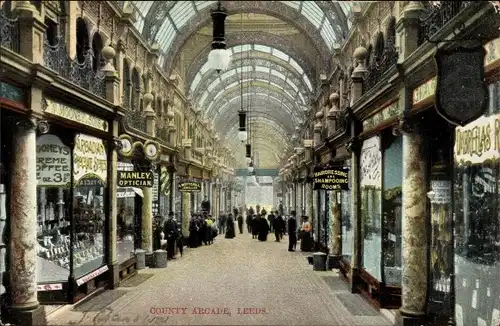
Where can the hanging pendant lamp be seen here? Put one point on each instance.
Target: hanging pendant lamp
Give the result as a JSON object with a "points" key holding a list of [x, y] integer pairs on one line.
{"points": [[219, 58]]}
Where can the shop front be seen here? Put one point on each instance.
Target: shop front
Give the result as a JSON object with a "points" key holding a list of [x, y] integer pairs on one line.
{"points": [[72, 180], [347, 224], [322, 198], [166, 190], [196, 197]]}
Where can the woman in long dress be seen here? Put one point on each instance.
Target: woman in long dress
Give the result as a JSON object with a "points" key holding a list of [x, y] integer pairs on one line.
{"points": [[230, 227], [263, 229]]}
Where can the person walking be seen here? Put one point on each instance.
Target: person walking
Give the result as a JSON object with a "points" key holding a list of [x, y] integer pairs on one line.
{"points": [[240, 223], [279, 225], [170, 231], [292, 229]]}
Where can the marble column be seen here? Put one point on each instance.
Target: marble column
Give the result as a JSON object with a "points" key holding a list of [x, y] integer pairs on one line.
{"points": [[415, 263], [186, 213], [113, 208], [356, 216], [147, 220], [310, 202], [336, 249], [24, 307]]}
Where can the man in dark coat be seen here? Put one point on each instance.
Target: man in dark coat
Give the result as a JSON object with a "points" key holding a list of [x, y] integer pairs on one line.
{"points": [[263, 229], [230, 234], [170, 231], [279, 225], [271, 219], [255, 226], [240, 223], [222, 223], [292, 229], [205, 205], [193, 232]]}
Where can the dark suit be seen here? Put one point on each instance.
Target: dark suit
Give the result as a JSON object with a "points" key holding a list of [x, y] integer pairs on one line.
{"points": [[292, 236]]}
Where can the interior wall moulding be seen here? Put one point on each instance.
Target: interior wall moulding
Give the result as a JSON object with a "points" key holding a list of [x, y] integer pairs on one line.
{"points": [[128, 148], [56, 109], [388, 112], [424, 93]]}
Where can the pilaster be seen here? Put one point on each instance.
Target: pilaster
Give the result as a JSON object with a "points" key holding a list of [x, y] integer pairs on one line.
{"points": [[113, 204], [408, 28], [414, 224], [186, 213], [147, 220], [32, 31], [24, 308]]}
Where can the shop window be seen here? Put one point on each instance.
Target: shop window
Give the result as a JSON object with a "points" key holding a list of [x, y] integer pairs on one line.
{"points": [[476, 194], [347, 221], [53, 209], [392, 209], [82, 40], [51, 32], [371, 197]]}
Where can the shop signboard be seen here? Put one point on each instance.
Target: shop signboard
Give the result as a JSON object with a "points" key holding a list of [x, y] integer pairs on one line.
{"points": [[478, 141], [89, 159], [137, 179], [189, 186], [53, 162], [329, 178], [69, 113]]}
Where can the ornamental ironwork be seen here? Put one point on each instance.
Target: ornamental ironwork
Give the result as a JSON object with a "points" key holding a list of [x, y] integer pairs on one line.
{"points": [[437, 14], [137, 120], [381, 65], [163, 132], [9, 32], [56, 58]]}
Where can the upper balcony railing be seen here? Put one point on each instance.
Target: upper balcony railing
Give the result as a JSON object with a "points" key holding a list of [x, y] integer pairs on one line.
{"points": [[436, 14], [9, 32], [136, 119], [82, 74], [380, 66]]}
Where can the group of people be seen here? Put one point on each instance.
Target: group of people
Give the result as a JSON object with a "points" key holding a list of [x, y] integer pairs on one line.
{"points": [[169, 230], [304, 233], [202, 229], [259, 226]]}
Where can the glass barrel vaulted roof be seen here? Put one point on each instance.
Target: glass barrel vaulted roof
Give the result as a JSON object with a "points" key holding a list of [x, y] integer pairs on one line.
{"points": [[267, 82]]}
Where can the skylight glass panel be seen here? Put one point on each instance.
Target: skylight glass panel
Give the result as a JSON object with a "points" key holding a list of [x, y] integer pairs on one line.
{"points": [[328, 35], [302, 98], [277, 74], [181, 12], [228, 74], [294, 4], [308, 83], [281, 55], [202, 99], [295, 88], [230, 85], [203, 4], [262, 48], [213, 84], [262, 69], [196, 81], [205, 68], [296, 66], [241, 48], [161, 60], [346, 6], [142, 9], [166, 35], [312, 12]]}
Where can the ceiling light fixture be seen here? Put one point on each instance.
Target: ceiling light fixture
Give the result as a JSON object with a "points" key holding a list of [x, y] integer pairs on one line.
{"points": [[219, 58]]}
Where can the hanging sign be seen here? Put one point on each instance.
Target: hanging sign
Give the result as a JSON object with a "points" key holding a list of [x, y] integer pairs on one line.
{"points": [[189, 186], [328, 178], [136, 179], [478, 141], [461, 92], [53, 162], [89, 159]]}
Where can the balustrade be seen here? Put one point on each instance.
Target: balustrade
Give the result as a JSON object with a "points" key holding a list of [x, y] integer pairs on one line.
{"points": [[56, 58], [137, 120], [436, 14], [9, 32], [380, 66]]}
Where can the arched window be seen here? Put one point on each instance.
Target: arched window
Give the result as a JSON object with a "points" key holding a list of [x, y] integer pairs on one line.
{"points": [[391, 32], [136, 90], [97, 45], [82, 40], [56, 28], [369, 57], [379, 47], [127, 83]]}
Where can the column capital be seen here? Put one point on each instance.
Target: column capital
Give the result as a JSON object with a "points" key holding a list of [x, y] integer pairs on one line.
{"points": [[407, 125], [353, 145]]}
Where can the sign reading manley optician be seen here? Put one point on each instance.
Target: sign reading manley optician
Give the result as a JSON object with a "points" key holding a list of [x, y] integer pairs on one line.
{"points": [[89, 159], [478, 141], [189, 186], [53, 162], [137, 179], [329, 178]]}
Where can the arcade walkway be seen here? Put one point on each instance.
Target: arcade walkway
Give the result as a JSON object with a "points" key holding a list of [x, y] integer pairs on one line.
{"points": [[234, 275]]}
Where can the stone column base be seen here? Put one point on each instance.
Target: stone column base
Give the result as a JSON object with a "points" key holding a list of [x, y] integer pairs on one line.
{"points": [[353, 286], [149, 259], [411, 318], [114, 276], [31, 317], [333, 262]]}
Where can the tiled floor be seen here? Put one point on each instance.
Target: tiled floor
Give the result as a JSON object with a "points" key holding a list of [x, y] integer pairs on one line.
{"points": [[232, 282]]}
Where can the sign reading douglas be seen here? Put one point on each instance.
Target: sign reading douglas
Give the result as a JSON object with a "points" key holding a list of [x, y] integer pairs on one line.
{"points": [[189, 186], [327, 178]]}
